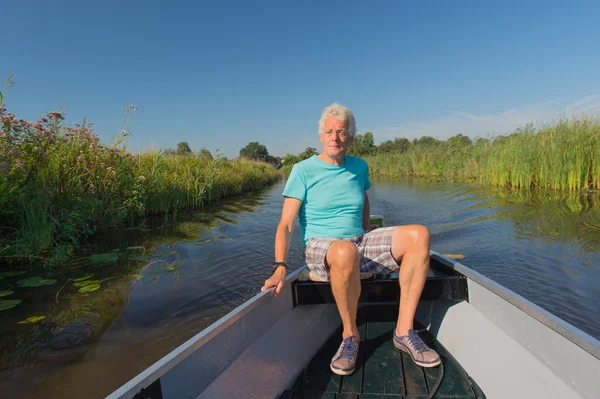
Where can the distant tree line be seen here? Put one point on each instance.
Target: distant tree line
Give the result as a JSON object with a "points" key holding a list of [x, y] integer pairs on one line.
{"points": [[183, 149], [364, 145], [258, 152]]}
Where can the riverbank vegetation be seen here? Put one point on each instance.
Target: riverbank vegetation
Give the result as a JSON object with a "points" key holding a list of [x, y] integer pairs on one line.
{"points": [[563, 156], [59, 185]]}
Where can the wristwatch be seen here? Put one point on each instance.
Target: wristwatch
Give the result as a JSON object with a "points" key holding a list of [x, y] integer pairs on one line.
{"points": [[277, 264]]}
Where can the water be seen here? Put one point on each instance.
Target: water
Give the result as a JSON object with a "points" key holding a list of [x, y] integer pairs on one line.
{"points": [[198, 267]]}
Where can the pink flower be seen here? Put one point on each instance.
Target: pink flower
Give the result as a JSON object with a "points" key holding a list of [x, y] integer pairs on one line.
{"points": [[55, 115]]}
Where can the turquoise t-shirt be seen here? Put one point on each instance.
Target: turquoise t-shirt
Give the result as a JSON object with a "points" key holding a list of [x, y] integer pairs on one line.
{"points": [[332, 196]]}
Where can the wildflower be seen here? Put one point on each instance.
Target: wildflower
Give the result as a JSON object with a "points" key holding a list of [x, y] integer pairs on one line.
{"points": [[19, 163], [55, 115]]}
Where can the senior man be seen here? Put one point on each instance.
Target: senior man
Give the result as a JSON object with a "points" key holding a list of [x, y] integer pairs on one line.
{"points": [[328, 194]]}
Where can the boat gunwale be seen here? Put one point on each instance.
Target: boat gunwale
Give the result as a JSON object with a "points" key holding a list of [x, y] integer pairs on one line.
{"points": [[181, 352], [580, 338]]}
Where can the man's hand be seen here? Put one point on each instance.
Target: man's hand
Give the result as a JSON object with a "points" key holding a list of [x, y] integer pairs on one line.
{"points": [[276, 280]]}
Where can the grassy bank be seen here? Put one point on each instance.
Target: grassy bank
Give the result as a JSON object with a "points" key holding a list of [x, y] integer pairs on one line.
{"points": [[564, 156], [59, 185]]}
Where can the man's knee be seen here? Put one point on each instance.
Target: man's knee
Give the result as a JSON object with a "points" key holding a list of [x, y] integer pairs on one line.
{"points": [[412, 234], [421, 234], [342, 254]]}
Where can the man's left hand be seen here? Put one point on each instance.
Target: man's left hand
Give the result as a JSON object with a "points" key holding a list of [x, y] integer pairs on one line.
{"points": [[277, 280]]}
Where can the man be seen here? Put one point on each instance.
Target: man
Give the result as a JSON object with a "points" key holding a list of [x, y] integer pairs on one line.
{"points": [[328, 194]]}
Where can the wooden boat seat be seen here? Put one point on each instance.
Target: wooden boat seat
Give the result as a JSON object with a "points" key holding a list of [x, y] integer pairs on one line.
{"points": [[442, 283]]}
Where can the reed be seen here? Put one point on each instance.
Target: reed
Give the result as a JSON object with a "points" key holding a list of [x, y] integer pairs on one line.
{"points": [[563, 156], [59, 185]]}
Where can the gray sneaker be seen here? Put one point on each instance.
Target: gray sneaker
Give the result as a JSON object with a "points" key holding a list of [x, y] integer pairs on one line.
{"points": [[344, 361], [420, 353]]}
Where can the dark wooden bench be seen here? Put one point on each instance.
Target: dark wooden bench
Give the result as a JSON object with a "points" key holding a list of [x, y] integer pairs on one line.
{"points": [[443, 283]]}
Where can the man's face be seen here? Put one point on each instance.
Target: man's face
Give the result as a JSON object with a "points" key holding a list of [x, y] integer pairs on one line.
{"points": [[335, 138]]}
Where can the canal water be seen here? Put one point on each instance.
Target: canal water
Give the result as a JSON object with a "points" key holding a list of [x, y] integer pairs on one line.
{"points": [[175, 276]]}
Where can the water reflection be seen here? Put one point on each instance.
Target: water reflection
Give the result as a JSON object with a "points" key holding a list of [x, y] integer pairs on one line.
{"points": [[170, 281], [177, 275]]}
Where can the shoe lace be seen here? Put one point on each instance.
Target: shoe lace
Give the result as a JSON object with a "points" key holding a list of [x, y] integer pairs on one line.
{"points": [[348, 347], [416, 342]]}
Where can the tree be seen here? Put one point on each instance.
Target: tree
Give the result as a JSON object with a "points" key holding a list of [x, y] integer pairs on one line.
{"points": [[291, 159], [309, 152], [255, 150], [427, 141], [459, 141], [183, 148], [204, 153], [399, 145], [362, 145]]}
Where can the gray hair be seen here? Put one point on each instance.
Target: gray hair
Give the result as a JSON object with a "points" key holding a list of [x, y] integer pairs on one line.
{"points": [[339, 112]]}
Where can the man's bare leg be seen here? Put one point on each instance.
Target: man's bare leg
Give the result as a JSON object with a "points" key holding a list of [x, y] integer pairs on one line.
{"points": [[410, 244], [344, 263]]}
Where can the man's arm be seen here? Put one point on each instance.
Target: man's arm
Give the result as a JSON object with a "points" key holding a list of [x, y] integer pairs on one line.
{"points": [[283, 239], [366, 216]]}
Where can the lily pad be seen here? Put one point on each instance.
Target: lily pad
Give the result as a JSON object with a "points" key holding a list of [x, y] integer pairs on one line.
{"points": [[84, 277], [36, 281], [13, 273], [6, 293], [89, 288], [104, 258], [9, 303], [86, 282], [32, 320]]}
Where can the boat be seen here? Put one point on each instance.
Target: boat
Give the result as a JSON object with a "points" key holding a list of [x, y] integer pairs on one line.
{"points": [[493, 344]]}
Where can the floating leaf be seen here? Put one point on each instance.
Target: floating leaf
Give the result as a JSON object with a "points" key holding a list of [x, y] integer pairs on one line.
{"points": [[6, 293], [203, 242], [9, 303], [84, 277], [104, 258], [136, 276], [32, 320], [174, 265], [13, 273], [136, 248], [89, 288], [86, 282], [36, 281]]}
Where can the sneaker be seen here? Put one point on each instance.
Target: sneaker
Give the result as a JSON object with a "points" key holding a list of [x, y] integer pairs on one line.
{"points": [[344, 361], [420, 353]]}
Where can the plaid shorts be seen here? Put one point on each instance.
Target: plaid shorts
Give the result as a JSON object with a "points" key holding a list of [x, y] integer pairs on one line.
{"points": [[374, 247]]}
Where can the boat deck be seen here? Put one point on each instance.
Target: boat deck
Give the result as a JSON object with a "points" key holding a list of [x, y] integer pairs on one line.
{"points": [[382, 371]]}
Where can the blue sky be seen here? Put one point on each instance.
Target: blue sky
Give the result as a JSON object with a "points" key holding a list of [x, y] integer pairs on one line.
{"points": [[221, 74]]}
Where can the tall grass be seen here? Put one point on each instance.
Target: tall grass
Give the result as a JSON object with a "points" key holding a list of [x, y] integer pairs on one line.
{"points": [[60, 184], [564, 156]]}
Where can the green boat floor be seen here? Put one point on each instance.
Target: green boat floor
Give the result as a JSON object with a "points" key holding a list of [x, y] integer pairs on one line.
{"points": [[382, 371]]}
